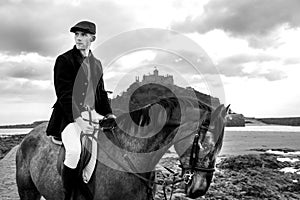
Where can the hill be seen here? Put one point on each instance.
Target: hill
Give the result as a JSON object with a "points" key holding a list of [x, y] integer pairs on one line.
{"points": [[138, 95], [155, 86], [286, 121], [32, 125]]}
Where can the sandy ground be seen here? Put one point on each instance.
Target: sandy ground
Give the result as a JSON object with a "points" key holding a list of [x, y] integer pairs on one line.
{"points": [[8, 188]]}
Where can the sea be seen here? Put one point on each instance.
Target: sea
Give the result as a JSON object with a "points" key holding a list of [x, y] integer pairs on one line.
{"points": [[4, 132], [238, 140], [259, 139], [252, 139]]}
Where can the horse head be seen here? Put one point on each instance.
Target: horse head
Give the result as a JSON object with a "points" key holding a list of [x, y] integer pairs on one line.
{"points": [[198, 145]]}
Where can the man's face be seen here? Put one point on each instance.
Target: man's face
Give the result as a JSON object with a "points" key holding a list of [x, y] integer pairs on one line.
{"points": [[83, 40]]}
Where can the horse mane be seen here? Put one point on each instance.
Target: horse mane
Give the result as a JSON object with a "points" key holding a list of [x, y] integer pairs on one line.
{"points": [[141, 116], [138, 129]]}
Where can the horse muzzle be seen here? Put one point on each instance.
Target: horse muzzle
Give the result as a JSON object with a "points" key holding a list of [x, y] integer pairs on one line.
{"points": [[199, 185]]}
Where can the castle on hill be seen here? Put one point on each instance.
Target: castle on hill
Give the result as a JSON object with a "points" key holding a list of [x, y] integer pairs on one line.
{"points": [[141, 93], [156, 78], [151, 83]]}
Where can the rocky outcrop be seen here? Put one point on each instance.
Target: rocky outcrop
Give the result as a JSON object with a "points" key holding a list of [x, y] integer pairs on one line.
{"points": [[245, 177], [235, 120]]}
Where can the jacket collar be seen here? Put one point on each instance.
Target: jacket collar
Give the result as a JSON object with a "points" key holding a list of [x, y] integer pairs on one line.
{"points": [[78, 57]]}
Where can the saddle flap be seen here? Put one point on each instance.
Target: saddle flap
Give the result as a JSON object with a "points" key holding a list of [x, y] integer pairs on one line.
{"points": [[86, 153]]}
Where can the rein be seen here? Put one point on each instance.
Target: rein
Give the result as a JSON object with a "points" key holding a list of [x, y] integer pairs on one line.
{"points": [[148, 182], [186, 177]]}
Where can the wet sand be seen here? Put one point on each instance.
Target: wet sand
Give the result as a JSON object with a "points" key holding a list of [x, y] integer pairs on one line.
{"points": [[8, 188]]}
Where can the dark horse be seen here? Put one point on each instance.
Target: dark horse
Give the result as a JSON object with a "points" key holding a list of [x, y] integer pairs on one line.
{"points": [[128, 153]]}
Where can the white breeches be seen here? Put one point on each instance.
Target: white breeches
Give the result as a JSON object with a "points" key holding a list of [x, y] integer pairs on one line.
{"points": [[71, 140]]}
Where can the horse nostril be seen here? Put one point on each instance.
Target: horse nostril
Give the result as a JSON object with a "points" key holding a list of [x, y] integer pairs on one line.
{"points": [[199, 186], [197, 194]]}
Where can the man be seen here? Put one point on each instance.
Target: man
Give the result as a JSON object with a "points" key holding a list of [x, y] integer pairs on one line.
{"points": [[78, 82]]}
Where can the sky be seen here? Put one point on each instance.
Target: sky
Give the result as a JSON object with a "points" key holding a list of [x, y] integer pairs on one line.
{"points": [[252, 47]]}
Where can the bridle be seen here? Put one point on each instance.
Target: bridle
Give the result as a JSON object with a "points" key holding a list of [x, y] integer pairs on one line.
{"points": [[194, 157]]}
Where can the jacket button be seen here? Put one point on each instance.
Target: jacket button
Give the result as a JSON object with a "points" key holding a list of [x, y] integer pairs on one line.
{"points": [[85, 83], [83, 94], [80, 103]]}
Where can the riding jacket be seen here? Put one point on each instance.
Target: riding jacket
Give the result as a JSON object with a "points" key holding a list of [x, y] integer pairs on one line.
{"points": [[70, 82]]}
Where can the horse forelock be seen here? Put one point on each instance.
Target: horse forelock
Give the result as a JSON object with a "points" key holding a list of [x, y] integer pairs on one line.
{"points": [[211, 136], [216, 132]]}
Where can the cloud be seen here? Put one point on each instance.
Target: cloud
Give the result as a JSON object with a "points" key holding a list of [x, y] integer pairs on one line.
{"points": [[292, 61], [258, 97], [274, 75], [136, 64], [246, 58], [43, 26], [26, 91], [26, 78], [183, 58], [251, 66], [182, 62], [245, 18], [240, 65], [27, 66]]}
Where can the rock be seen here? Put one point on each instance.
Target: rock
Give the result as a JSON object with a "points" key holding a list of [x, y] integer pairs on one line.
{"points": [[252, 161], [8, 142], [235, 120]]}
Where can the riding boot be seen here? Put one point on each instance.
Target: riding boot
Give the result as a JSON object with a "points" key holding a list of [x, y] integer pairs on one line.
{"points": [[69, 179]]}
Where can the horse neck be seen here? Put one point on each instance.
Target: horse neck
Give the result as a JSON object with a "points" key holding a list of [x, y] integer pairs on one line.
{"points": [[147, 133], [153, 147], [143, 144]]}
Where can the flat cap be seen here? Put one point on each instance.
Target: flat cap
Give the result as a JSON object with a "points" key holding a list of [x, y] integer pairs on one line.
{"points": [[84, 26]]}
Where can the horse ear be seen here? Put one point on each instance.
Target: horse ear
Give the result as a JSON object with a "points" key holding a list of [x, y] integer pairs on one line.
{"points": [[217, 111], [225, 111], [227, 108]]}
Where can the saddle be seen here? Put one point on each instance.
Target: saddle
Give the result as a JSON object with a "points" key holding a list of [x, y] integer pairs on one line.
{"points": [[88, 158], [89, 150]]}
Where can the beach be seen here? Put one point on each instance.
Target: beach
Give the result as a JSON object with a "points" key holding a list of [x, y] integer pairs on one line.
{"points": [[258, 164]]}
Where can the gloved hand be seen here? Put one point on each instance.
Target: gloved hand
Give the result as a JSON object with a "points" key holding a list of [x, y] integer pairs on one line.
{"points": [[108, 122]]}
